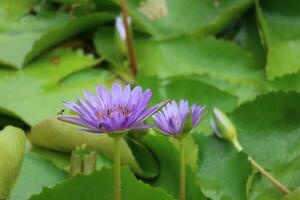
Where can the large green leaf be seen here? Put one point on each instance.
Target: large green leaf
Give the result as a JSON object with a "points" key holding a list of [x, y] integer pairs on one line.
{"points": [[60, 136], [32, 35], [223, 172], [269, 132], [168, 159], [221, 60], [165, 19], [280, 29], [35, 174], [35, 95], [99, 186], [188, 55], [12, 144]]}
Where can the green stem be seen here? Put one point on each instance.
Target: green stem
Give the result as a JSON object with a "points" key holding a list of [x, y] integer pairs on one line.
{"points": [[182, 170], [237, 145], [117, 168], [259, 168]]}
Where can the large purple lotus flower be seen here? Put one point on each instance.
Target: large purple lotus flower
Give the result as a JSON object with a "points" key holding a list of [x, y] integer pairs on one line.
{"points": [[116, 111], [177, 119]]}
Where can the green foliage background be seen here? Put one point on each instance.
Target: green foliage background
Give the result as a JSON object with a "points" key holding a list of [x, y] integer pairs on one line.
{"points": [[239, 55]]}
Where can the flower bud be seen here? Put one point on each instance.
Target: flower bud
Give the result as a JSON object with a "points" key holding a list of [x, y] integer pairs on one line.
{"points": [[120, 34], [222, 126]]}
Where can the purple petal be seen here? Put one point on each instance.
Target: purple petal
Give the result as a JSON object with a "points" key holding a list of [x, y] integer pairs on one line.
{"points": [[116, 93], [103, 96], [91, 99], [172, 126], [197, 114], [126, 95], [147, 113], [76, 121], [91, 130], [135, 96], [89, 111]]}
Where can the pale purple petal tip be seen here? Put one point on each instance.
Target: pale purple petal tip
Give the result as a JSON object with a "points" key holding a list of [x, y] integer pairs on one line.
{"points": [[215, 128]]}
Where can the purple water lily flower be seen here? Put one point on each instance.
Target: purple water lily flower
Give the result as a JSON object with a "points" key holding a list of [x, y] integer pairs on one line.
{"points": [[115, 111], [173, 118]]}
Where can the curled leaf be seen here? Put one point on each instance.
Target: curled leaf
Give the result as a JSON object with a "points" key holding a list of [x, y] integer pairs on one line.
{"points": [[56, 135], [12, 145]]}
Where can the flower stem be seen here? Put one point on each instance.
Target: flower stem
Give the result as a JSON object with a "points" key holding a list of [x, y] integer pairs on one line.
{"points": [[131, 51], [259, 168], [117, 168], [182, 170]]}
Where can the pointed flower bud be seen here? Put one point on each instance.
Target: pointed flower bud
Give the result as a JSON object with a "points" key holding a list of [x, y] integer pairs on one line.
{"points": [[224, 128], [120, 34]]}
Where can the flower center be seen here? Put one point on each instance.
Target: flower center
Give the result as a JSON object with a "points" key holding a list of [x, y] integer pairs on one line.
{"points": [[112, 111]]}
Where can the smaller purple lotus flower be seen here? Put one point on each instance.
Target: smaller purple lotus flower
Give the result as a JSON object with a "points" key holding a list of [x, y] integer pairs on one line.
{"points": [[179, 119], [117, 111]]}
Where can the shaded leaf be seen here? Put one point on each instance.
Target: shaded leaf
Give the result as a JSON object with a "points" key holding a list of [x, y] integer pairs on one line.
{"points": [[168, 158], [145, 158], [280, 27]]}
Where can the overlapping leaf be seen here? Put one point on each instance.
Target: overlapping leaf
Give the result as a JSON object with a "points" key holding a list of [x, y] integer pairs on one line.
{"points": [[21, 42], [31, 93], [280, 28]]}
